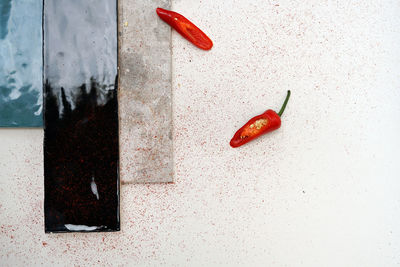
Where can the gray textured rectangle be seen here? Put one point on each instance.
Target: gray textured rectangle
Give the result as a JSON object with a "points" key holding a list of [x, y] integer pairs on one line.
{"points": [[146, 149]]}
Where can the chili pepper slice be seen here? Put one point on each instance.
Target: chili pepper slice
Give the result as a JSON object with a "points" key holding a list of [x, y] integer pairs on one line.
{"points": [[259, 125], [186, 28]]}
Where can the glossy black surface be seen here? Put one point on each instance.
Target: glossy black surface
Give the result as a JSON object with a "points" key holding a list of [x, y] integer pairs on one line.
{"points": [[81, 116]]}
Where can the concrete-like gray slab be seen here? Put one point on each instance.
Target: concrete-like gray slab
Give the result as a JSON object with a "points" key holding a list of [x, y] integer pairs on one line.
{"points": [[145, 108]]}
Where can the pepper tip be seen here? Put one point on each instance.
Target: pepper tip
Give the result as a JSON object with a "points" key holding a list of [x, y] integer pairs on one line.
{"points": [[159, 10], [233, 144]]}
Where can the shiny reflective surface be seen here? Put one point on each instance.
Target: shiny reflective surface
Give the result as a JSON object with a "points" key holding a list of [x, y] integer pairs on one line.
{"points": [[81, 116], [20, 63]]}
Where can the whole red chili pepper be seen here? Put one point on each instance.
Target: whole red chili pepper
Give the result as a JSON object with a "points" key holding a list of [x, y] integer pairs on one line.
{"points": [[186, 28], [259, 125]]}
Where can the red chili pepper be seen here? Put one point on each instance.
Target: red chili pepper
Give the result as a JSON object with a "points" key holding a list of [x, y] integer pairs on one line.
{"points": [[259, 125], [186, 28]]}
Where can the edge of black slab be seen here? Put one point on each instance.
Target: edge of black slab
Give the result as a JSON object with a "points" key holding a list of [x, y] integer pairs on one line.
{"points": [[71, 121]]}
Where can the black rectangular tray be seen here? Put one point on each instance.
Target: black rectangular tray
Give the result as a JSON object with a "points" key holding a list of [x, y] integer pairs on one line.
{"points": [[81, 152]]}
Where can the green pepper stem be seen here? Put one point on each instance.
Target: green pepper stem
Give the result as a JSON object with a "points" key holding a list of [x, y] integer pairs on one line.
{"points": [[284, 104]]}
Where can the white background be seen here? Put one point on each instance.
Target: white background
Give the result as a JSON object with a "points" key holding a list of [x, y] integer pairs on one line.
{"points": [[321, 191]]}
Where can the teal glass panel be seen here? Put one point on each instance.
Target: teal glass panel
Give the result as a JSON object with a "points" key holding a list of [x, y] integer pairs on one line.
{"points": [[21, 63]]}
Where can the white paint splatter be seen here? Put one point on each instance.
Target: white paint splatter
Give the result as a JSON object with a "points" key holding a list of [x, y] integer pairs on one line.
{"points": [[75, 227], [93, 186]]}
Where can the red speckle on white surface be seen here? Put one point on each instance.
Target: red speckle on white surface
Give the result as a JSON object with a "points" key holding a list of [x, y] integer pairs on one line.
{"points": [[339, 143]]}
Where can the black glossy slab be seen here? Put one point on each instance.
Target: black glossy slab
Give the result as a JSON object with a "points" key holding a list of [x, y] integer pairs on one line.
{"points": [[81, 154]]}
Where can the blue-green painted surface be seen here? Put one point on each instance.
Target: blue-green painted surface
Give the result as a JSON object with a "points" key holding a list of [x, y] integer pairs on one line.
{"points": [[21, 63]]}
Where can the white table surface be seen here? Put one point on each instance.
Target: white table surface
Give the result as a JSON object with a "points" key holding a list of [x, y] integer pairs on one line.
{"points": [[321, 191]]}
